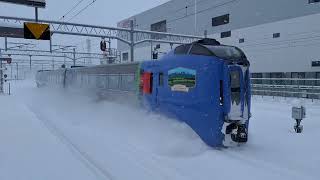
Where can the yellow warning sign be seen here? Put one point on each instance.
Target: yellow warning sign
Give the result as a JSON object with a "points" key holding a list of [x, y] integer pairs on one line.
{"points": [[37, 31]]}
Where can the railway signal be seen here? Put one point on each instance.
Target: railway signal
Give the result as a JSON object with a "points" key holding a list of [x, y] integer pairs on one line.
{"points": [[6, 59], [103, 45], [3, 79], [9, 60], [155, 52]]}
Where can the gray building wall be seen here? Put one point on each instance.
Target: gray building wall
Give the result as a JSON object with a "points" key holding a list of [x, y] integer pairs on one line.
{"points": [[243, 13], [255, 21]]}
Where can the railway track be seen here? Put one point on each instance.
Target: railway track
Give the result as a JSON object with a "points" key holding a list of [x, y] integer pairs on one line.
{"points": [[100, 172]]}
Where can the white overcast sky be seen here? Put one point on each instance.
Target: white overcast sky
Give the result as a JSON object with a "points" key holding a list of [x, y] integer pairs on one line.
{"points": [[102, 12]]}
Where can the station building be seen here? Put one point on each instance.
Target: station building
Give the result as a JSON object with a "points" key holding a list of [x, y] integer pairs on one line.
{"points": [[280, 37]]}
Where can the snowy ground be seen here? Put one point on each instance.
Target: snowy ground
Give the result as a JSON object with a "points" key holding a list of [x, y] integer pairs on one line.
{"points": [[55, 135]]}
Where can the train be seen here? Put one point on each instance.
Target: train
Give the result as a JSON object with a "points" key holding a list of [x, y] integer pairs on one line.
{"points": [[204, 84]]}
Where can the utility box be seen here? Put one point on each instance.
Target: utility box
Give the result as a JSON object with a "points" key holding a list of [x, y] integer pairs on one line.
{"points": [[298, 112]]}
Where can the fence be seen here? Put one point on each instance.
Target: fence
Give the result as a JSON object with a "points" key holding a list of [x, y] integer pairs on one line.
{"points": [[286, 87]]}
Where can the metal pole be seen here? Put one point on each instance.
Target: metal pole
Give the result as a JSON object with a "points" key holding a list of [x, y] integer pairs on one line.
{"points": [[109, 42], [195, 17], [6, 43], [131, 41], [74, 56], [9, 89], [1, 75], [11, 71], [30, 62], [51, 45], [52, 64], [151, 50], [110, 53], [36, 13], [17, 71]]}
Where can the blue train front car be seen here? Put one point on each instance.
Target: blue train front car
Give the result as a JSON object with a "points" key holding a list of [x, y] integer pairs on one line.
{"points": [[204, 84]]}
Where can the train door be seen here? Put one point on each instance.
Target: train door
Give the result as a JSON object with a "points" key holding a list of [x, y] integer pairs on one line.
{"points": [[238, 115], [159, 80], [238, 93], [149, 89]]}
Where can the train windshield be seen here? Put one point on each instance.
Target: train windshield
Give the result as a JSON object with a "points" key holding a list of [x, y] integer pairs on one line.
{"points": [[227, 52]]}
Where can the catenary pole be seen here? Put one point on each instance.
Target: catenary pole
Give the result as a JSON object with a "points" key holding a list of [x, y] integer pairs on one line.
{"points": [[131, 40], [1, 75], [74, 56]]}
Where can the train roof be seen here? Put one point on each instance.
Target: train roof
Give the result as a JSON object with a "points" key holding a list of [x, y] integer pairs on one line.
{"points": [[208, 41], [104, 65], [212, 47]]}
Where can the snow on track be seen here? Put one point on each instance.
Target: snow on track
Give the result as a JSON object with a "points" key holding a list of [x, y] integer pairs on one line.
{"points": [[130, 143], [29, 151]]}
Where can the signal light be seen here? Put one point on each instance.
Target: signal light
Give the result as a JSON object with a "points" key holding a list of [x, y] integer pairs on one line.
{"points": [[103, 45]]}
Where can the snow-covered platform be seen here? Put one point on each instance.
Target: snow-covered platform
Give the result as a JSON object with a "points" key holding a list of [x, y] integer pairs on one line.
{"points": [[58, 135]]}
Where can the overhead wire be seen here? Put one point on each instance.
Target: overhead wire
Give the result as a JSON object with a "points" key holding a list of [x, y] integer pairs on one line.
{"points": [[83, 9], [79, 12], [203, 10], [74, 7]]}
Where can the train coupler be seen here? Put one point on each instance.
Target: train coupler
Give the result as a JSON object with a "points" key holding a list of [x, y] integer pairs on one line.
{"points": [[240, 134], [235, 133]]}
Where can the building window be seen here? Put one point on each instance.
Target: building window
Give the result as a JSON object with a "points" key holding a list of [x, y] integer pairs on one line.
{"points": [[125, 56], [276, 35], [220, 20], [241, 40], [277, 76], [313, 1], [226, 34], [159, 27], [318, 77], [298, 75], [256, 75], [315, 64]]}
